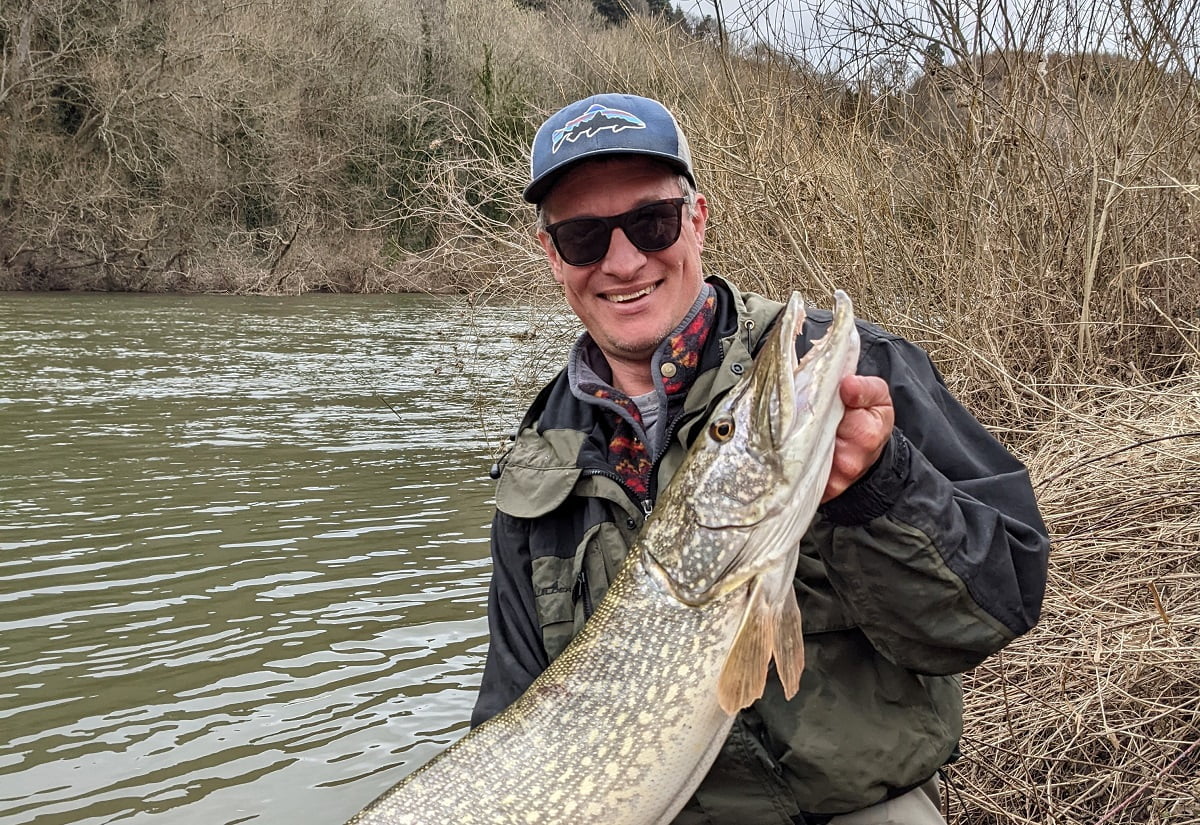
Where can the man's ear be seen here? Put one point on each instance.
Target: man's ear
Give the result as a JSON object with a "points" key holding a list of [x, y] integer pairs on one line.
{"points": [[556, 264], [699, 218]]}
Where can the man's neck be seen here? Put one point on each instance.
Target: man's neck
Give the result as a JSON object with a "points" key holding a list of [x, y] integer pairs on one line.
{"points": [[631, 377]]}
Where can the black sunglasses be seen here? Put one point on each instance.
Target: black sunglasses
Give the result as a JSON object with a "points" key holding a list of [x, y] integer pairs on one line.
{"points": [[651, 227]]}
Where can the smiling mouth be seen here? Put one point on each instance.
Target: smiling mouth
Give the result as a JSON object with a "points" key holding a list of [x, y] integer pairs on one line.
{"points": [[629, 296]]}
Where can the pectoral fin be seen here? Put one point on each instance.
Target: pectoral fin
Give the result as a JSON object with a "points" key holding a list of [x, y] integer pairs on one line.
{"points": [[770, 626], [789, 643], [745, 672]]}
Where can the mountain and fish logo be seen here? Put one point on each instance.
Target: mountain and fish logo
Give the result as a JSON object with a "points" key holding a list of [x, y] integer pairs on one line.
{"points": [[595, 120]]}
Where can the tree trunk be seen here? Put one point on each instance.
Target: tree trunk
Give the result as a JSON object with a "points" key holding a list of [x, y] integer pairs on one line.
{"points": [[12, 103]]}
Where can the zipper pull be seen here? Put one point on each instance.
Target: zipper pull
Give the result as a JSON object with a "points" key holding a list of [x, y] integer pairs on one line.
{"points": [[647, 508], [581, 590]]}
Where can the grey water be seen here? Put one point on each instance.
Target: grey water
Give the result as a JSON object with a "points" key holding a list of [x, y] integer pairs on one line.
{"points": [[243, 546]]}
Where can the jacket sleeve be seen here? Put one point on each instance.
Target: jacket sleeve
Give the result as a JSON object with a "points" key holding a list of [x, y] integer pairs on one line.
{"points": [[515, 655], [939, 553]]}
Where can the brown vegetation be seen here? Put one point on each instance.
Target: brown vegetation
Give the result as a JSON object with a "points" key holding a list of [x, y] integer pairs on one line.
{"points": [[1094, 717], [256, 146], [1028, 211]]}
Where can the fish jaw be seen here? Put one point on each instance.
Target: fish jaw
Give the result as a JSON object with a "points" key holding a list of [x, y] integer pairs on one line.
{"points": [[751, 496]]}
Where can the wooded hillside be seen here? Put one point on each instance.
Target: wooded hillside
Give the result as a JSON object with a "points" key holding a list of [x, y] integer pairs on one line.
{"points": [[266, 145]]}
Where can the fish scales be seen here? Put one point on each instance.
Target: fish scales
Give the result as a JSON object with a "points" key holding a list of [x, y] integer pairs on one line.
{"points": [[642, 666], [624, 724]]}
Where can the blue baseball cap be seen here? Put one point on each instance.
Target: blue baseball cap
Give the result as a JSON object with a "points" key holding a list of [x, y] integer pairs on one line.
{"points": [[608, 124]]}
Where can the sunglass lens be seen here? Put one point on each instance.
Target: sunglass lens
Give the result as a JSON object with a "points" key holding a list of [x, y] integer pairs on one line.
{"points": [[583, 241], [654, 227]]}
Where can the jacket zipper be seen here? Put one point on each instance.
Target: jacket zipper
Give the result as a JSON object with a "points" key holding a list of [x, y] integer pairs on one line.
{"points": [[648, 503]]}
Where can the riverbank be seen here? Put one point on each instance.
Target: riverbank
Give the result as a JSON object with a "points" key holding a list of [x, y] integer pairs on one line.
{"points": [[336, 262]]}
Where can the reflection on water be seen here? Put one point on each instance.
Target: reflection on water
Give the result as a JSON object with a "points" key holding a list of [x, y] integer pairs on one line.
{"points": [[243, 548]]}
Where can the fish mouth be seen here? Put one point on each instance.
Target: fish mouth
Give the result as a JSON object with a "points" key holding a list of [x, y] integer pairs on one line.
{"points": [[810, 384], [777, 410]]}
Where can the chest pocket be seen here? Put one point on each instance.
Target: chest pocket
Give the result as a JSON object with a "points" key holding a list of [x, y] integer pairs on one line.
{"points": [[567, 590]]}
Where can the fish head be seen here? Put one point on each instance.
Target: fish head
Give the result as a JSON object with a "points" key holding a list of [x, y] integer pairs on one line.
{"points": [[752, 481]]}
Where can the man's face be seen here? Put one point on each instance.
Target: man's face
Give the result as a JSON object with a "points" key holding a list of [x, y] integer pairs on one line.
{"points": [[629, 300]]}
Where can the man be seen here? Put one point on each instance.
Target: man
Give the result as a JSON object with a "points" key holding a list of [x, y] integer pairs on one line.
{"points": [[928, 553]]}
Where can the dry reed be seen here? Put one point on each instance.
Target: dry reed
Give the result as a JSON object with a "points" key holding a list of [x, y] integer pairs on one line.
{"points": [[1095, 715]]}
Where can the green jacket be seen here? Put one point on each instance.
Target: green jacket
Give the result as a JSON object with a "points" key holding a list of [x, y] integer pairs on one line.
{"points": [[927, 565]]}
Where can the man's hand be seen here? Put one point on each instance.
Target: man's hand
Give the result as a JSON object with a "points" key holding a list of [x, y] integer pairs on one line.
{"points": [[863, 432]]}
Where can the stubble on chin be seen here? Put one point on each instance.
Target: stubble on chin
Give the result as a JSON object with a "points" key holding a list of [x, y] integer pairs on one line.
{"points": [[637, 348]]}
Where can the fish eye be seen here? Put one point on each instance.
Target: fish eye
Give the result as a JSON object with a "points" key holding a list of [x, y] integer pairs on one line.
{"points": [[721, 429]]}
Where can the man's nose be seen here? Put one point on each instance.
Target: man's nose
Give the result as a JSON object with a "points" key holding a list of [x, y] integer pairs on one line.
{"points": [[623, 259]]}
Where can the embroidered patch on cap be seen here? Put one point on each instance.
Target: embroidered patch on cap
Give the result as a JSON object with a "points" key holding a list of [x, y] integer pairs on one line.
{"points": [[595, 120]]}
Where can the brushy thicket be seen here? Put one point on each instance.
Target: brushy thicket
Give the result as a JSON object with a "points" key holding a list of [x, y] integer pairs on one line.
{"points": [[260, 146], [1026, 208]]}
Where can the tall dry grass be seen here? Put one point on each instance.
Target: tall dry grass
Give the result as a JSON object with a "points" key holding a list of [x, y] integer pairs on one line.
{"points": [[1032, 218], [1094, 717]]}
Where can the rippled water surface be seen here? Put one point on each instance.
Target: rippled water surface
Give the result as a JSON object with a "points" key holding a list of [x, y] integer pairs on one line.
{"points": [[243, 548]]}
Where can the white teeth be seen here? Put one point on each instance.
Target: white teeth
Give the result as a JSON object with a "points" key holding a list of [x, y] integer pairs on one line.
{"points": [[620, 299]]}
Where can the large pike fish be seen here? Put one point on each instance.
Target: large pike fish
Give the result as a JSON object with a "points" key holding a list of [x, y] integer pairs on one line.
{"points": [[625, 723]]}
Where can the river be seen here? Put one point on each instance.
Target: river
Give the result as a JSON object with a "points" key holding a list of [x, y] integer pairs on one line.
{"points": [[243, 546]]}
